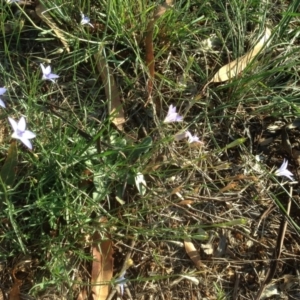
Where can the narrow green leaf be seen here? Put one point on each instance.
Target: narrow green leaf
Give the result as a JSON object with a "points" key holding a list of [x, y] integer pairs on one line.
{"points": [[7, 172]]}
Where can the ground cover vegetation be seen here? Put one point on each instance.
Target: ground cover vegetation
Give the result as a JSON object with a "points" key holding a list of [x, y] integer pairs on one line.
{"points": [[149, 149]]}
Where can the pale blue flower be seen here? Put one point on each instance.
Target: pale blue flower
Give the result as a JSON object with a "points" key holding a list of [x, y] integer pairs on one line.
{"points": [[121, 282], [172, 115], [85, 20], [2, 91], [20, 132], [283, 171], [47, 75]]}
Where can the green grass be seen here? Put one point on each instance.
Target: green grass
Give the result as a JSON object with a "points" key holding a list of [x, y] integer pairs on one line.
{"points": [[82, 168]]}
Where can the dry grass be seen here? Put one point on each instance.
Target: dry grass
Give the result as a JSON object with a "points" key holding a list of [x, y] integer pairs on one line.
{"points": [[221, 194]]}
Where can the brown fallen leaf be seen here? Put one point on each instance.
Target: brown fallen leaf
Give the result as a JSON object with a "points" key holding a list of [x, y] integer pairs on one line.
{"points": [[229, 186], [82, 295], [115, 107], [185, 202], [235, 67], [102, 267], [193, 254], [43, 14], [15, 290]]}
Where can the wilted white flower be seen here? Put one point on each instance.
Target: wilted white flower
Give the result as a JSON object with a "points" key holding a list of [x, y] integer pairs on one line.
{"points": [[192, 138], [172, 115], [283, 171], [186, 134], [20, 131]]}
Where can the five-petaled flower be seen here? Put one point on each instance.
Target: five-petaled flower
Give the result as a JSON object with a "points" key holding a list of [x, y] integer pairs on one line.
{"points": [[283, 171], [85, 20], [47, 75], [2, 91], [172, 115], [20, 132]]}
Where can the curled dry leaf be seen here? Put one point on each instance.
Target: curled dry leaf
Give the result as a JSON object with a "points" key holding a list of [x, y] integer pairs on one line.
{"points": [[234, 68], [193, 254]]}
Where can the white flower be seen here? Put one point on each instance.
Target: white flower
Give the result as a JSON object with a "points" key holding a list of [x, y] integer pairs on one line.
{"points": [[47, 75], [2, 91], [20, 131], [172, 115], [85, 20], [186, 134], [283, 171], [192, 138]]}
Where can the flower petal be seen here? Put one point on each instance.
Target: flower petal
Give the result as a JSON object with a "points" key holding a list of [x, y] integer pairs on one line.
{"points": [[43, 68], [15, 135], [2, 91], [46, 71], [53, 76], [26, 142], [2, 104], [13, 124], [172, 109], [22, 124], [28, 134]]}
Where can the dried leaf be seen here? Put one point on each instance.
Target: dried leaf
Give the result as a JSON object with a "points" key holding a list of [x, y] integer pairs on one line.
{"points": [[234, 68], [193, 254], [186, 202], [115, 108], [243, 177], [82, 295], [229, 186], [43, 14], [102, 267], [15, 290], [207, 248]]}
